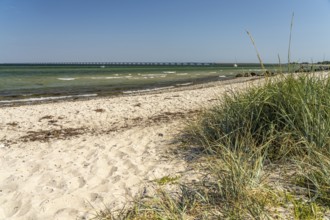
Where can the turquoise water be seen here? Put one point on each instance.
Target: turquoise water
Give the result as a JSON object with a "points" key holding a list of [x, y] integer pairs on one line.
{"points": [[34, 81]]}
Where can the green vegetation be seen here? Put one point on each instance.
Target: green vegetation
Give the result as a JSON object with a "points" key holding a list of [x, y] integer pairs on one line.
{"points": [[324, 62], [306, 210], [282, 118], [280, 127], [167, 180], [284, 122]]}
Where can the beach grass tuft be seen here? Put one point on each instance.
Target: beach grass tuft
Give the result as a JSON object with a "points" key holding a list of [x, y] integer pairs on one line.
{"points": [[284, 117], [284, 122]]}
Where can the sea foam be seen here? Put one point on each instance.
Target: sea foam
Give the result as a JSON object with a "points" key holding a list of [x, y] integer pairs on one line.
{"points": [[66, 79]]}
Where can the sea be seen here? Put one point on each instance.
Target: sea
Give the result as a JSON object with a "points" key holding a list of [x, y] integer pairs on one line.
{"points": [[25, 83]]}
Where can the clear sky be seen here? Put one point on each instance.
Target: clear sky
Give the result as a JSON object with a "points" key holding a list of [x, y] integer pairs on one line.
{"points": [[162, 30]]}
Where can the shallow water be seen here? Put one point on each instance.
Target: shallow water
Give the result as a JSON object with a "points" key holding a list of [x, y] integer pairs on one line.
{"points": [[19, 82]]}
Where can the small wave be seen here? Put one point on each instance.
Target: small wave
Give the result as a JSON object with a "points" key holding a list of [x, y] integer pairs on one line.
{"points": [[153, 75], [255, 70], [222, 76], [108, 77], [185, 84], [147, 90], [169, 72], [212, 72], [66, 79], [181, 74], [47, 98], [114, 77]]}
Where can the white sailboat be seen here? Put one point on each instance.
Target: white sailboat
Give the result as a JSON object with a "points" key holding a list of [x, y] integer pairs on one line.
{"points": [[235, 64]]}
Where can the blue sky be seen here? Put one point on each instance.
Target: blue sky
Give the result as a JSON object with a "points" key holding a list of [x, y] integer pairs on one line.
{"points": [[162, 30]]}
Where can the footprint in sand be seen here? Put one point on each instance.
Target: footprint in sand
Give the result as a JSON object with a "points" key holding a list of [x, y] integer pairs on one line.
{"points": [[35, 168], [91, 154], [120, 155], [76, 183], [10, 208], [8, 188], [115, 179], [94, 197], [130, 168], [25, 208], [66, 213], [93, 169], [112, 171]]}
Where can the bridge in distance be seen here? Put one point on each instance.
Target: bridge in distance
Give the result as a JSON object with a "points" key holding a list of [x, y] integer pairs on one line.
{"points": [[118, 63]]}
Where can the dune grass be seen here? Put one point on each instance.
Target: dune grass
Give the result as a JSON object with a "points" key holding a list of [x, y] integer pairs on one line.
{"points": [[284, 117], [283, 123]]}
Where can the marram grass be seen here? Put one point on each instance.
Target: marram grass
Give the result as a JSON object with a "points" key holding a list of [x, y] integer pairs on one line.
{"points": [[284, 116], [285, 121]]}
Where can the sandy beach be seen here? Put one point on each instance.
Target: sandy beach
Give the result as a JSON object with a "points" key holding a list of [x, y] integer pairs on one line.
{"points": [[65, 160]]}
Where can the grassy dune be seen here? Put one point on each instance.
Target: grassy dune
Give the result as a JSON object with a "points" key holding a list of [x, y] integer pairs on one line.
{"points": [[284, 124], [265, 155]]}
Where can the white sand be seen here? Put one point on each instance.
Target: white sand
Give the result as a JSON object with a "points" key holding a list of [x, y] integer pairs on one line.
{"points": [[66, 160]]}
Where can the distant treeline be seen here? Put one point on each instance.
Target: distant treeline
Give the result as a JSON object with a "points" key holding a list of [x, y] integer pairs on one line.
{"points": [[307, 63], [319, 63], [324, 62]]}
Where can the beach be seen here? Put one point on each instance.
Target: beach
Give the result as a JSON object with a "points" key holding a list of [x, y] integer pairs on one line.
{"points": [[69, 159]]}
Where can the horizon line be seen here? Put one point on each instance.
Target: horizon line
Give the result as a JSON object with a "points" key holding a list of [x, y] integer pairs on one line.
{"points": [[144, 63]]}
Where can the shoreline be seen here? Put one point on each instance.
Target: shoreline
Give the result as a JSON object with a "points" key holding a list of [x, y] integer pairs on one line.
{"points": [[95, 82], [141, 91]]}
